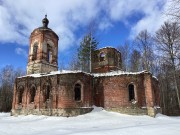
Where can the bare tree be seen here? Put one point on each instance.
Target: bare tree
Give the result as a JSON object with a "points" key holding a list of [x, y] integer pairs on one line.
{"points": [[61, 65], [174, 10], [7, 77], [74, 63], [135, 59], [144, 43], [125, 54], [168, 44]]}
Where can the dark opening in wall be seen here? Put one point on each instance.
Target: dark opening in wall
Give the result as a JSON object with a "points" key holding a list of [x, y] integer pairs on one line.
{"points": [[77, 91], [49, 56], [47, 93], [131, 92], [20, 95], [33, 93], [49, 53]]}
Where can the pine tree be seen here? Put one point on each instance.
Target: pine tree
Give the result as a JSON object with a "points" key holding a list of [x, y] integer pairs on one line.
{"points": [[87, 46]]}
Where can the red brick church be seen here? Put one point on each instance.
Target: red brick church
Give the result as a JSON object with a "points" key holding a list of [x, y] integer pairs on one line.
{"points": [[47, 91]]}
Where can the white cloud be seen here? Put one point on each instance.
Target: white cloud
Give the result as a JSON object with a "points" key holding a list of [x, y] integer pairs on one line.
{"points": [[19, 17], [151, 21], [151, 11], [21, 51]]}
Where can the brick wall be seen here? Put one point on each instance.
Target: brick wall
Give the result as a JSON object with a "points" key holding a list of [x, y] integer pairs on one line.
{"points": [[110, 61], [110, 92], [61, 92], [113, 91], [42, 37]]}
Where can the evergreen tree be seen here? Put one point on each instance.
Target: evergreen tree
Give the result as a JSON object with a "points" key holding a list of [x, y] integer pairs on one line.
{"points": [[87, 46]]}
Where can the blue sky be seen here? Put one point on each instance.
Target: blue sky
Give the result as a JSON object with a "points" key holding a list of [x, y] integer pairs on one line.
{"points": [[115, 21]]}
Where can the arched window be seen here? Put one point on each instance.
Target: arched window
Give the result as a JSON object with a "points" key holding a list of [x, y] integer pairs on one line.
{"points": [[49, 53], [77, 92], [131, 92], [35, 49], [102, 56], [32, 93], [47, 93], [49, 56], [20, 95]]}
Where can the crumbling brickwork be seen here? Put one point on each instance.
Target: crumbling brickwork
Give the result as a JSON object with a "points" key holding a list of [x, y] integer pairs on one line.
{"points": [[43, 50], [61, 94], [112, 92], [106, 60], [73, 93]]}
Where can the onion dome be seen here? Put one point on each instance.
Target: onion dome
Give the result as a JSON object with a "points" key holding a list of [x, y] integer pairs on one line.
{"points": [[45, 22]]}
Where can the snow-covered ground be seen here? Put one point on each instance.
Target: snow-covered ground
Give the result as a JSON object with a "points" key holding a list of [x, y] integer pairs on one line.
{"points": [[98, 122]]}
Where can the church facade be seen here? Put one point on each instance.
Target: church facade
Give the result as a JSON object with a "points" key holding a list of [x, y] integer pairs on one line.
{"points": [[47, 91]]}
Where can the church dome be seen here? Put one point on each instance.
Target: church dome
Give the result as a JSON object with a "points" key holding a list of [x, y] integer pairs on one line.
{"points": [[44, 28], [45, 22]]}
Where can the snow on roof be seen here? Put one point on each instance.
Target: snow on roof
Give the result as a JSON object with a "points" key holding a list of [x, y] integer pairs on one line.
{"points": [[113, 73], [155, 77], [118, 72], [53, 73], [109, 47]]}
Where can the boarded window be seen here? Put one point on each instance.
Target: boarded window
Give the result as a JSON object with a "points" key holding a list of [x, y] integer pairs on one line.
{"points": [[77, 91], [131, 92], [33, 93]]}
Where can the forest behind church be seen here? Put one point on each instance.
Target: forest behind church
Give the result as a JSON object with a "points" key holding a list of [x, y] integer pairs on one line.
{"points": [[158, 53]]}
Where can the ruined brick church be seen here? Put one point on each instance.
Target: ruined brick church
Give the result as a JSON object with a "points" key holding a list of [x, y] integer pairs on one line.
{"points": [[47, 91]]}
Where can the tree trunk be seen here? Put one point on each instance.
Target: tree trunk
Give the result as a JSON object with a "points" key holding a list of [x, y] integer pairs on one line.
{"points": [[176, 88]]}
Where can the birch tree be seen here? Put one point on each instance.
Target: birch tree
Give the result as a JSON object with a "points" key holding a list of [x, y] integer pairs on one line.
{"points": [[144, 44], [135, 59], [125, 54], [168, 45]]}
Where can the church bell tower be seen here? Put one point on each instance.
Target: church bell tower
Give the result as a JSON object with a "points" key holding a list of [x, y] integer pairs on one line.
{"points": [[43, 50]]}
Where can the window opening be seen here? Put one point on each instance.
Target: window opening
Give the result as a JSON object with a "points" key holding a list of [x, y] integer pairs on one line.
{"points": [[77, 91], [102, 56], [20, 95], [131, 92], [49, 53], [33, 93], [49, 56], [35, 49], [47, 96]]}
